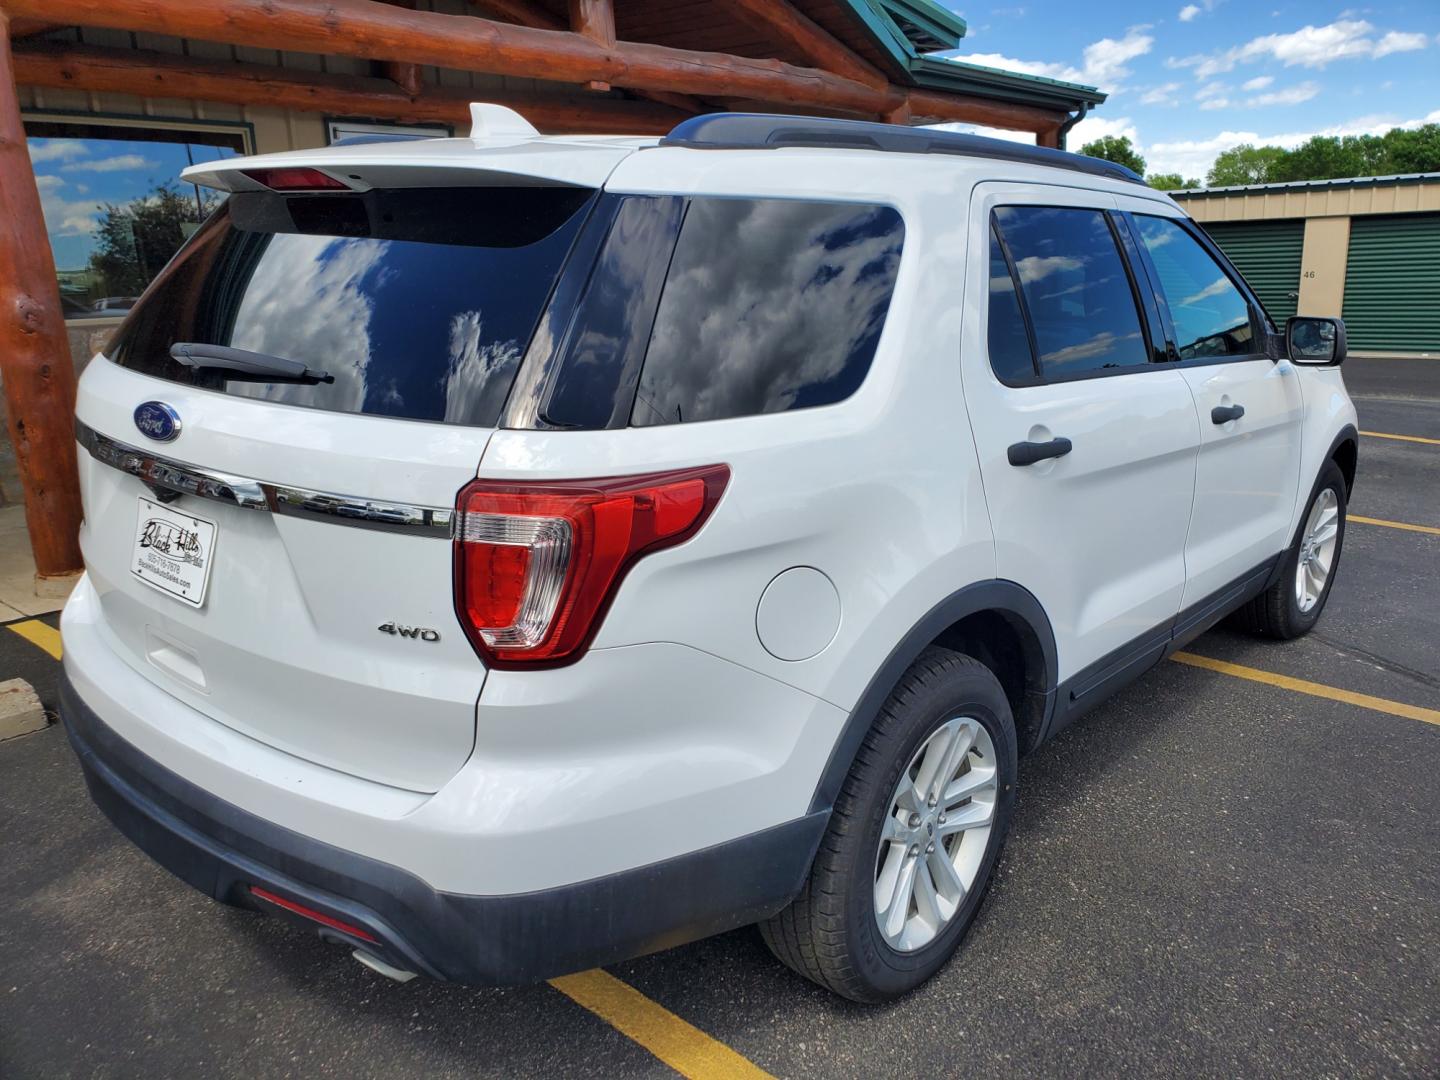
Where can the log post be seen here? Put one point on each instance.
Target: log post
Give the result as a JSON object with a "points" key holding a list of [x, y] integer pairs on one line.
{"points": [[594, 19], [34, 352]]}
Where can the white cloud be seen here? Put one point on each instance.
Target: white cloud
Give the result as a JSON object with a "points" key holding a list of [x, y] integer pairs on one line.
{"points": [[56, 150], [1160, 95], [1188, 12], [1193, 157], [1103, 64], [1260, 82], [1105, 59], [1310, 46], [119, 163], [1395, 41], [1292, 96], [1098, 127], [1210, 90], [1214, 103], [64, 216]]}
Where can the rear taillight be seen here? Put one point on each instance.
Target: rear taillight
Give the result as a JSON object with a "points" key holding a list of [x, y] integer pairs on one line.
{"points": [[536, 564], [290, 178]]}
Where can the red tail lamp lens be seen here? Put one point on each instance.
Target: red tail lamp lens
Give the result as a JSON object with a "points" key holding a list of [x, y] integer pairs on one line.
{"points": [[311, 914], [536, 565], [295, 179]]}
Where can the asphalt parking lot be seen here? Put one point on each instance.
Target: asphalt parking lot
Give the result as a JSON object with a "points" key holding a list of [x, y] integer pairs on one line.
{"points": [[1226, 870]]}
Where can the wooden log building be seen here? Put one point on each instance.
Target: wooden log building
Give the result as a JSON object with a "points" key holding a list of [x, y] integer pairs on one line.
{"points": [[103, 101]]}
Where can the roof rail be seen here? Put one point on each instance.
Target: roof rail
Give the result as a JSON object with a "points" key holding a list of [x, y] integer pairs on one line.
{"points": [[761, 131]]}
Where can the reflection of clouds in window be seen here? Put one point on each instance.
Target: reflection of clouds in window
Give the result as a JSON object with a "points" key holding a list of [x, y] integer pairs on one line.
{"points": [[471, 365], [1075, 286], [308, 300], [767, 302], [1211, 316], [1081, 287], [1215, 288], [1102, 344], [1038, 267]]}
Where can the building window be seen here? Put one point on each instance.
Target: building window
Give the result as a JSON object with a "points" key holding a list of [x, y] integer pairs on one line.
{"points": [[115, 208], [357, 131]]}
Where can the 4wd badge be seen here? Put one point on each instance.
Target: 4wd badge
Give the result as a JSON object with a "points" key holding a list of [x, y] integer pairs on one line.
{"points": [[419, 633]]}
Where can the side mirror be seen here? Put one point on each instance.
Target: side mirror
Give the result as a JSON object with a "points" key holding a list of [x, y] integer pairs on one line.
{"points": [[1316, 341]]}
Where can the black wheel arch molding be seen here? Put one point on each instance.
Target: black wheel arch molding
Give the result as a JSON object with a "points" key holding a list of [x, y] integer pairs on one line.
{"points": [[1008, 600]]}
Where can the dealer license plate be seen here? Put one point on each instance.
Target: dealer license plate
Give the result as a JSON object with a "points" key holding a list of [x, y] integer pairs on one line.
{"points": [[173, 552]]}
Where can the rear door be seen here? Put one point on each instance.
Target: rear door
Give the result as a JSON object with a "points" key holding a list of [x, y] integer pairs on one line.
{"points": [[1063, 359], [1249, 406], [274, 551]]}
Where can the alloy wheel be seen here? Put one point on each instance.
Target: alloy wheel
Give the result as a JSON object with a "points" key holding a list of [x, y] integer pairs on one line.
{"points": [[935, 833]]}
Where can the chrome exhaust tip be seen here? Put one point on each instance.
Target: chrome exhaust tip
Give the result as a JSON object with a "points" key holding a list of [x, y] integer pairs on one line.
{"points": [[390, 971]]}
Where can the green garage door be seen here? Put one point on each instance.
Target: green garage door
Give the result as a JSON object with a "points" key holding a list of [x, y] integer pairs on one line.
{"points": [[1392, 283], [1268, 254]]}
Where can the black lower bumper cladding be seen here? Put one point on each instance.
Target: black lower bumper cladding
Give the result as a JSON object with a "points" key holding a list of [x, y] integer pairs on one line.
{"points": [[494, 940]]}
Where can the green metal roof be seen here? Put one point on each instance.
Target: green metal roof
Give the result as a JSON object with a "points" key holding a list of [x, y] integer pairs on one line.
{"points": [[908, 29]]}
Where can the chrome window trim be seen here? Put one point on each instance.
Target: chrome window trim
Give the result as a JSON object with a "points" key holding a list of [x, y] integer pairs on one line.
{"points": [[165, 474]]}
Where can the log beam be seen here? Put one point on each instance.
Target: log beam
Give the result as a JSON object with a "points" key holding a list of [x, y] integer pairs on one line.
{"points": [[528, 13], [23, 28], [34, 351], [370, 30], [782, 21], [154, 74]]}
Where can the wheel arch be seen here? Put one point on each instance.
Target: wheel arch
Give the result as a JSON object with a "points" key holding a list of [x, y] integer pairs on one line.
{"points": [[999, 619], [1345, 452]]}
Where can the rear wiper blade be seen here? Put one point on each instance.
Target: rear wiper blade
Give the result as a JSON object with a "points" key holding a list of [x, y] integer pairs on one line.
{"points": [[195, 355]]}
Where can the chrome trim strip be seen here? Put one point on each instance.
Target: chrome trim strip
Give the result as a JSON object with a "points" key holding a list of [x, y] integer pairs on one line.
{"points": [[175, 476]]}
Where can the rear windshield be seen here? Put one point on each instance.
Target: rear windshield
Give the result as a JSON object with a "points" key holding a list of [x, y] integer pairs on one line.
{"points": [[417, 303]]}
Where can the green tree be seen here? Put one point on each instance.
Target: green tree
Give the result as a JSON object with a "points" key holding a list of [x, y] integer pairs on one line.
{"points": [[133, 241], [1417, 150], [1326, 157], [1170, 181], [1116, 148], [1245, 164]]}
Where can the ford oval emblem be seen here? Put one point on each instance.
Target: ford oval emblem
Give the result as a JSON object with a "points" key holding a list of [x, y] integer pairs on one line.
{"points": [[157, 421]]}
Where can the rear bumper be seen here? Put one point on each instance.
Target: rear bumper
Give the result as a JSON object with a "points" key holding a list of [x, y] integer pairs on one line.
{"points": [[223, 850]]}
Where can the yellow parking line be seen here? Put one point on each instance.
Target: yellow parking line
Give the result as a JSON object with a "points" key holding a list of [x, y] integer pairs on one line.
{"points": [[1401, 438], [1431, 529], [682, 1046], [1304, 686], [39, 633]]}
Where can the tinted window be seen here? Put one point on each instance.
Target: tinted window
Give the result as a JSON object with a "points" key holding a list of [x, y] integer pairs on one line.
{"points": [[769, 305], [595, 385], [1010, 355], [1210, 315], [419, 303], [1076, 289]]}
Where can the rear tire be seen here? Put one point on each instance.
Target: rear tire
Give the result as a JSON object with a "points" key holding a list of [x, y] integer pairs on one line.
{"points": [[1292, 606], [951, 706]]}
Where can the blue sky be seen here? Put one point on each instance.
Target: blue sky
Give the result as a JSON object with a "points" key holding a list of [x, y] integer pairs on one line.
{"points": [[1190, 79], [77, 177]]}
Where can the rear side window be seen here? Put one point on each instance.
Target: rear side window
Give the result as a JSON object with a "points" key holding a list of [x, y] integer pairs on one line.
{"points": [[419, 303], [769, 305], [1075, 288], [1009, 341], [1210, 316]]}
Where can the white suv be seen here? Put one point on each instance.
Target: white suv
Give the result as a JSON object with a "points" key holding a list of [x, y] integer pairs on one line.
{"points": [[509, 554]]}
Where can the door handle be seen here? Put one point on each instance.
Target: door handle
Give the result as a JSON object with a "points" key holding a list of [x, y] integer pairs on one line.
{"points": [[1223, 414], [1028, 453]]}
